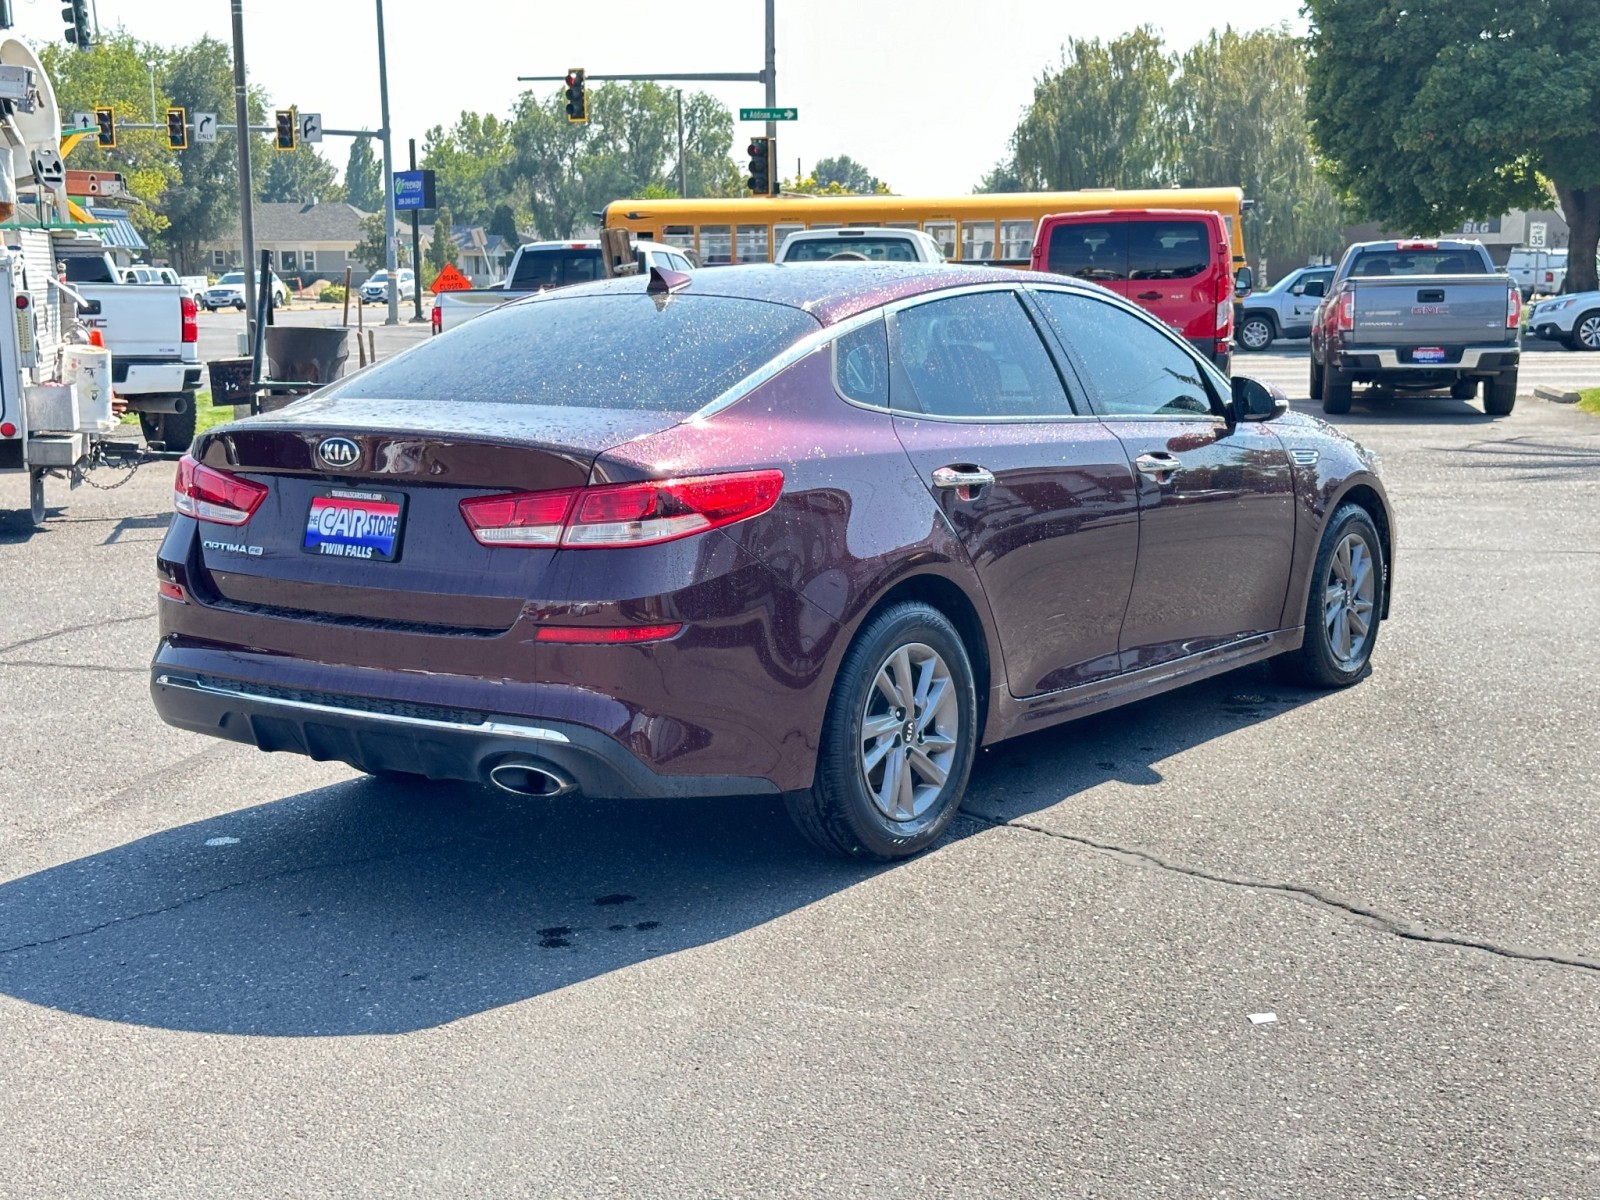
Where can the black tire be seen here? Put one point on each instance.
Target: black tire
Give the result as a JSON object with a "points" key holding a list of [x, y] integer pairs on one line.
{"points": [[1585, 333], [175, 431], [1500, 394], [1316, 380], [239, 304], [839, 812], [1256, 332], [36, 507], [1336, 391], [1464, 389], [1316, 663]]}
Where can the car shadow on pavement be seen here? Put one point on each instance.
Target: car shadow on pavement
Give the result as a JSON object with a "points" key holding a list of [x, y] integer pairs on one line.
{"points": [[376, 907], [1428, 408]]}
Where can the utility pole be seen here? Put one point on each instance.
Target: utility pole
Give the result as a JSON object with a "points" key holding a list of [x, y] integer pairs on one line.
{"points": [[683, 163], [771, 73], [416, 244], [388, 179], [241, 112]]}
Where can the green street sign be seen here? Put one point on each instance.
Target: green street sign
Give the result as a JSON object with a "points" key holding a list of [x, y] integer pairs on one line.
{"points": [[768, 114]]}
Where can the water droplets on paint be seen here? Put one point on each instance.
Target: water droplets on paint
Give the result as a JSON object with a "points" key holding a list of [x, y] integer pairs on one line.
{"points": [[222, 841]]}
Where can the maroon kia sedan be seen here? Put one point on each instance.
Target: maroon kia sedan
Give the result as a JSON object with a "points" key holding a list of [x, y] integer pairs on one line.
{"points": [[818, 531]]}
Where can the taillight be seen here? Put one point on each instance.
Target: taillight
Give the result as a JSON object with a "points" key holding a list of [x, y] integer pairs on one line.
{"points": [[624, 514], [606, 635], [208, 494], [1347, 312], [191, 319], [168, 590], [1224, 287], [436, 319], [1513, 307], [1224, 318]]}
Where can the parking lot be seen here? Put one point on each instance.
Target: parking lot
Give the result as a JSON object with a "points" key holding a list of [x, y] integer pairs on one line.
{"points": [[222, 971]]}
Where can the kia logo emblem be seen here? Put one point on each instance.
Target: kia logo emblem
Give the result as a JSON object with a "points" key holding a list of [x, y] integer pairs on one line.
{"points": [[339, 452]]}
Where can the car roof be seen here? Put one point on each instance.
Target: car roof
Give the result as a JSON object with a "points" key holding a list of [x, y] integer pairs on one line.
{"points": [[830, 292]]}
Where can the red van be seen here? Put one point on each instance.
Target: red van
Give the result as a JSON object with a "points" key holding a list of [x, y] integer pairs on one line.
{"points": [[1175, 263]]}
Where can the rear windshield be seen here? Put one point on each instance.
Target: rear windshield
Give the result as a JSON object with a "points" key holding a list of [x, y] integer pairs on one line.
{"points": [[607, 351], [1378, 263], [1110, 250], [881, 249], [88, 270], [557, 268]]}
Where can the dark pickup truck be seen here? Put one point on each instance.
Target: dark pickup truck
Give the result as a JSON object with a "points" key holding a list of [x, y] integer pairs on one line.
{"points": [[1417, 315]]}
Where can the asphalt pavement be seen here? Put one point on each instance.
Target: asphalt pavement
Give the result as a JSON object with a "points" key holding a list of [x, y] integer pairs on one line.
{"points": [[229, 973]]}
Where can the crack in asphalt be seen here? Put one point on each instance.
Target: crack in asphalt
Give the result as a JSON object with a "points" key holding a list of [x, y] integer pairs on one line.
{"points": [[84, 628], [1370, 917], [70, 666]]}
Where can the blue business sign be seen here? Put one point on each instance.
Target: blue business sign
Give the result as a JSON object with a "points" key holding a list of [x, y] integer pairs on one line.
{"points": [[413, 190]]}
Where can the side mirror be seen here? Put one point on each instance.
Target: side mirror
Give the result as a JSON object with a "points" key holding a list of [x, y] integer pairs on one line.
{"points": [[1316, 287], [1243, 281], [1257, 401]]}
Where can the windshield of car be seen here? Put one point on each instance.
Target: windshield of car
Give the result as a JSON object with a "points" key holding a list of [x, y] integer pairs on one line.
{"points": [[615, 350], [1370, 264], [231, 277], [881, 249], [557, 267]]}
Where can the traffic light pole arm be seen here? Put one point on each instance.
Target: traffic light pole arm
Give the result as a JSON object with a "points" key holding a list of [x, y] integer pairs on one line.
{"points": [[361, 133], [703, 77]]}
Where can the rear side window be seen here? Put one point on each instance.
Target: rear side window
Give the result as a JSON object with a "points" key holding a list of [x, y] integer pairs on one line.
{"points": [[615, 350], [1089, 251], [861, 365], [1370, 264], [1167, 249], [556, 268], [881, 249]]}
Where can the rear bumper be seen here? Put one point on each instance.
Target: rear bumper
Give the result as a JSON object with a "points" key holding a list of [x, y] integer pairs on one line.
{"points": [[434, 741], [1392, 361]]}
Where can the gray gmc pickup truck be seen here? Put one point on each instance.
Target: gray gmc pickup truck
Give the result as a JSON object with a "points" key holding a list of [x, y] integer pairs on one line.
{"points": [[1417, 315]]}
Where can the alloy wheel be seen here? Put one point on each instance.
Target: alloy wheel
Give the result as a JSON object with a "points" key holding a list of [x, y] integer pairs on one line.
{"points": [[1589, 331], [1254, 334], [910, 730], [1349, 596]]}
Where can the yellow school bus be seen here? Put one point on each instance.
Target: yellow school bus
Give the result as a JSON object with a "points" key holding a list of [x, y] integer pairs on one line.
{"points": [[995, 228]]}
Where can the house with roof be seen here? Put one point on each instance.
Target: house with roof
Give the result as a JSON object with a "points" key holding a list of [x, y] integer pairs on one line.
{"points": [[480, 255], [308, 240]]}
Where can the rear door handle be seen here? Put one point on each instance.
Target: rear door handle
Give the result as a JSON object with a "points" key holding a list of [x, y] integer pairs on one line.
{"points": [[1149, 296], [957, 477], [1161, 465]]}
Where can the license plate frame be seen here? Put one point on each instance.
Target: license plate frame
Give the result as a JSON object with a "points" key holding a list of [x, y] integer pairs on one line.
{"points": [[1432, 355], [363, 540]]}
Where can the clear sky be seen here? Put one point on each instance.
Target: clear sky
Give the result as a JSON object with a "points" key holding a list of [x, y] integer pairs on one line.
{"points": [[924, 92]]}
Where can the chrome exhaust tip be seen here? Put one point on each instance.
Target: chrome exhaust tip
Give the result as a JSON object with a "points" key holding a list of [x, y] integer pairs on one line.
{"points": [[528, 778]]}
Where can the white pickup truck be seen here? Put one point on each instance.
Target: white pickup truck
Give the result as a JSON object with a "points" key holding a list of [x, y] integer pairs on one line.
{"points": [[152, 332], [874, 244], [540, 266]]}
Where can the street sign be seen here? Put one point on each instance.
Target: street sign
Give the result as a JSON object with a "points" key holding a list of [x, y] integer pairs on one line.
{"points": [[83, 120], [413, 191], [450, 280], [205, 127], [310, 127], [1536, 234], [769, 114]]}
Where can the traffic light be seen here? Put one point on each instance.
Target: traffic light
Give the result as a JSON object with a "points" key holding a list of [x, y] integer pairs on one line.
{"points": [[285, 129], [577, 102], [763, 181], [178, 128], [106, 135], [76, 15]]}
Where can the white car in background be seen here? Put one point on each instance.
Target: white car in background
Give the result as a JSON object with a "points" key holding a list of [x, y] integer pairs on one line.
{"points": [[1573, 319], [873, 244], [228, 292]]}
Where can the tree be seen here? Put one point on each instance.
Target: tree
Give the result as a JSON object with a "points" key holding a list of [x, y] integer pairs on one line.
{"points": [[1099, 120], [1002, 177], [299, 174], [370, 252], [203, 205], [708, 148], [442, 248], [1440, 111], [115, 74], [470, 163], [547, 157], [363, 179], [1239, 113], [849, 174]]}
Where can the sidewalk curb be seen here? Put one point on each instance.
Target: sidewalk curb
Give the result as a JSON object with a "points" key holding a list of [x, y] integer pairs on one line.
{"points": [[1555, 395]]}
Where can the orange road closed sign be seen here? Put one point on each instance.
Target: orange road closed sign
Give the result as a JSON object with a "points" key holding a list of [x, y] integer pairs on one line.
{"points": [[451, 280]]}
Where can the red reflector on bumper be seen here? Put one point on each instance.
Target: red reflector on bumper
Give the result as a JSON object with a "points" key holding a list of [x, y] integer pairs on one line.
{"points": [[171, 591], [596, 635]]}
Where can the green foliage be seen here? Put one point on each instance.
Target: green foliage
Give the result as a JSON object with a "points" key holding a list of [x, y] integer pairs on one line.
{"points": [[1002, 177], [363, 177], [849, 174], [299, 174], [470, 163], [1099, 120], [114, 74], [1441, 111], [331, 293], [504, 223], [204, 205], [370, 252], [1240, 117], [442, 248]]}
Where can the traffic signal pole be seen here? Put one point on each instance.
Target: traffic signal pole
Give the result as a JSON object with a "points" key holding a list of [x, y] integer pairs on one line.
{"points": [[241, 115], [388, 180]]}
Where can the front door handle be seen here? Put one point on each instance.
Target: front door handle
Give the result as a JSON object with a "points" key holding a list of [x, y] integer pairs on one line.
{"points": [[1160, 465], [1149, 296], [962, 477]]}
